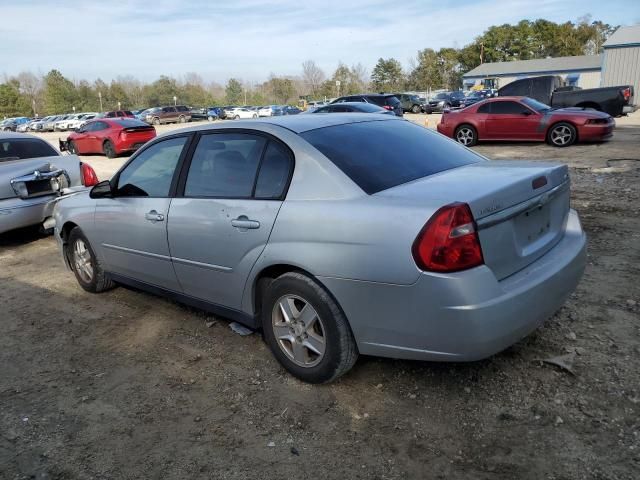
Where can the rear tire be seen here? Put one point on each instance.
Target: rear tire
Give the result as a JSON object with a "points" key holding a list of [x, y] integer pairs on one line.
{"points": [[210, 118], [85, 265], [182, 119], [109, 149], [466, 134], [156, 121], [237, 117], [311, 338], [72, 147], [562, 134], [415, 109]]}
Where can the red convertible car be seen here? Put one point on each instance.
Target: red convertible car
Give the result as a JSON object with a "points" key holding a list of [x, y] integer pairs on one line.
{"points": [[525, 119], [109, 136]]}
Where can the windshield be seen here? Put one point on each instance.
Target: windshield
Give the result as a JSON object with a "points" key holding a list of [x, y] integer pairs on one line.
{"points": [[440, 96], [368, 152], [536, 105]]}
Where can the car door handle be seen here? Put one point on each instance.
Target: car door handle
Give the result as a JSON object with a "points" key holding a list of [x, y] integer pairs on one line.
{"points": [[244, 222], [154, 216]]}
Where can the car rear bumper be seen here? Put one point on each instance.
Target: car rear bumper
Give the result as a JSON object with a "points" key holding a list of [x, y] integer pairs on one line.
{"points": [[463, 316], [18, 213]]}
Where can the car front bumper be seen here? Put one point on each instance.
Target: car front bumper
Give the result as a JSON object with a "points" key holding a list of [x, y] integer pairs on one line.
{"points": [[462, 316], [594, 133]]}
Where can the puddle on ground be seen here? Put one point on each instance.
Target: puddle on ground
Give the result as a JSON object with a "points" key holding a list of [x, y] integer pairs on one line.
{"points": [[619, 165]]}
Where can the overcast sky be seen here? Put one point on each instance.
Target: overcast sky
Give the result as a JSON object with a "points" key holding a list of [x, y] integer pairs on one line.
{"points": [[250, 39]]}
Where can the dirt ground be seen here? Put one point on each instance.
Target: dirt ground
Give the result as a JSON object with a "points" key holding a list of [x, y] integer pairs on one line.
{"points": [[125, 385]]}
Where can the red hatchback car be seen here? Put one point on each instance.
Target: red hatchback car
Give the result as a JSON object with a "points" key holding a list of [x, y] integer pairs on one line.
{"points": [[109, 136], [525, 119]]}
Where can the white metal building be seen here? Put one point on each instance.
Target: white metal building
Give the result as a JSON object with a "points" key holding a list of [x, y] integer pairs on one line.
{"points": [[582, 71], [621, 65]]}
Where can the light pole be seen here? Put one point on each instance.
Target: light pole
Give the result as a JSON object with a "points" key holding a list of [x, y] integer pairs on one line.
{"points": [[74, 109], [119, 108], [33, 105], [175, 100], [338, 87], [100, 97]]}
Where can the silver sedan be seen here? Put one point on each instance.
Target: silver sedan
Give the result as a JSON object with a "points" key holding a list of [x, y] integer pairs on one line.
{"points": [[335, 235]]}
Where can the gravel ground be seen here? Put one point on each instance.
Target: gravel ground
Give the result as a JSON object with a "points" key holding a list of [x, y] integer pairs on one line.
{"points": [[128, 385]]}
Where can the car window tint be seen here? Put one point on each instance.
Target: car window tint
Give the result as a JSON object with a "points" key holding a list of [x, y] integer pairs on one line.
{"points": [[274, 171], [378, 155], [18, 148], [224, 165], [376, 100], [150, 173], [485, 108], [506, 108], [100, 126]]}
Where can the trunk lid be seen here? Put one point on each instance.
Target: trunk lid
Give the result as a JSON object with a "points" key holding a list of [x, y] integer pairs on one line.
{"points": [[520, 208], [14, 169]]}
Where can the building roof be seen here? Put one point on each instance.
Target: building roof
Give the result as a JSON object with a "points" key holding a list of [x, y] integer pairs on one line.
{"points": [[624, 36], [541, 65]]}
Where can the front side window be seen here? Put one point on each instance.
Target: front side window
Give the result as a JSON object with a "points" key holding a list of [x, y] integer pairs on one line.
{"points": [[224, 165], [150, 173], [507, 108]]}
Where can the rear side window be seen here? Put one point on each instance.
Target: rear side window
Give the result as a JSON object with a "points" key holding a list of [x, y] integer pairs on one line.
{"points": [[485, 107], [224, 165], [19, 148], [376, 100], [383, 154], [274, 172]]}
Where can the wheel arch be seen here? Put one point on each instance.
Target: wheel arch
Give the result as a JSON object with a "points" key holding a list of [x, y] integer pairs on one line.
{"points": [[65, 231], [269, 273]]}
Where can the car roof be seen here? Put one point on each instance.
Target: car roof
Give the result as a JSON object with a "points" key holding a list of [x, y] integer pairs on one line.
{"points": [[14, 135], [297, 123]]}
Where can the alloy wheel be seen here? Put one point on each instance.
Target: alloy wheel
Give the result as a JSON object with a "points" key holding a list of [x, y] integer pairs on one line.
{"points": [[82, 261], [561, 135], [465, 136], [298, 330]]}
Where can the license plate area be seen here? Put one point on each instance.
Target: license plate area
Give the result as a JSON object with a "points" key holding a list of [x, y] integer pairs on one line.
{"points": [[532, 227]]}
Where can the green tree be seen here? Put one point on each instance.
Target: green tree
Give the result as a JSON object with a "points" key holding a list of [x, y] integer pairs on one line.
{"points": [[426, 74], [280, 89], [59, 93], [234, 92], [12, 103], [387, 75]]}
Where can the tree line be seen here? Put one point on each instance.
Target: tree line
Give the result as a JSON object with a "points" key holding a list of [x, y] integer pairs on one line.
{"points": [[28, 94]]}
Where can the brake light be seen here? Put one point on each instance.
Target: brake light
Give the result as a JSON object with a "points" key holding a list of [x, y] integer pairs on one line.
{"points": [[626, 93], [449, 241], [89, 177], [387, 107]]}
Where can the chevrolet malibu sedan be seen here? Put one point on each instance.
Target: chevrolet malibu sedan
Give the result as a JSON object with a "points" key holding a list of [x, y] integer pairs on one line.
{"points": [[336, 235], [109, 136], [525, 119]]}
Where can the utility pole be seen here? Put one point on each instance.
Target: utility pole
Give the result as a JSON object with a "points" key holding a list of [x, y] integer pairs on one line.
{"points": [[481, 51], [175, 100], [100, 97]]}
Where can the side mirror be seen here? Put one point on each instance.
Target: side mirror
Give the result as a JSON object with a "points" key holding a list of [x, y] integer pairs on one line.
{"points": [[102, 190]]}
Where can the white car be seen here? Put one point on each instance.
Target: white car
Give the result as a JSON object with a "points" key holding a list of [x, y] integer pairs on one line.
{"points": [[265, 111], [81, 119], [61, 123], [241, 112]]}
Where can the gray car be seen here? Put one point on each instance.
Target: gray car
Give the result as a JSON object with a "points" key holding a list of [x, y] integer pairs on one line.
{"points": [[33, 176], [336, 235]]}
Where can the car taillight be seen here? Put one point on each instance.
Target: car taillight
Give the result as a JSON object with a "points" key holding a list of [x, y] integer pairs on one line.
{"points": [[387, 107], [89, 177], [626, 93], [449, 241]]}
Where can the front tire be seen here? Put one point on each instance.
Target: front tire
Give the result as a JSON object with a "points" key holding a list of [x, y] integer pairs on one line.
{"points": [[182, 119], [237, 117], [415, 109], [72, 147], [109, 149], [466, 135], [562, 134], [156, 121], [85, 265], [306, 330]]}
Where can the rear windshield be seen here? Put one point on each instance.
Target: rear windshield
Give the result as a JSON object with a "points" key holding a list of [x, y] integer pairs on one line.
{"points": [[130, 123], [378, 155], [19, 148]]}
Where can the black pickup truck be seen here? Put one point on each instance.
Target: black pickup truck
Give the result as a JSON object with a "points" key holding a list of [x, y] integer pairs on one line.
{"points": [[550, 89]]}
